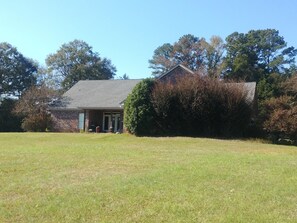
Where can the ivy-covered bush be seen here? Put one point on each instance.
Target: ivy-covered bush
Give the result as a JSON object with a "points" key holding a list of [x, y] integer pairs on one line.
{"points": [[139, 116]]}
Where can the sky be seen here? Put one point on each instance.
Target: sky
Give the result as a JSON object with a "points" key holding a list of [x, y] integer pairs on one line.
{"points": [[128, 31]]}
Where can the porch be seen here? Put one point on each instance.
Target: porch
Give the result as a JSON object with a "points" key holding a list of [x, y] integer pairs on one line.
{"points": [[103, 120]]}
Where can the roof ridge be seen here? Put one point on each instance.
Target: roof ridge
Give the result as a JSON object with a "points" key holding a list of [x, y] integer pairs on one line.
{"points": [[178, 65]]}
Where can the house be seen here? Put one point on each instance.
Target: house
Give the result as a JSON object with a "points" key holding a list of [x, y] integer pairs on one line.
{"points": [[99, 103], [92, 103]]}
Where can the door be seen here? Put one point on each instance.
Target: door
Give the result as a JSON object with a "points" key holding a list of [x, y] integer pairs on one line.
{"points": [[111, 120], [81, 121], [116, 122]]}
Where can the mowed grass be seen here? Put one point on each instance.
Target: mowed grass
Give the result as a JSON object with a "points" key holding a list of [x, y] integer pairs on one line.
{"points": [[122, 178]]}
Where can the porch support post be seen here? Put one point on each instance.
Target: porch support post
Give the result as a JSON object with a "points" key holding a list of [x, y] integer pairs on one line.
{"points": [[86, 123]]}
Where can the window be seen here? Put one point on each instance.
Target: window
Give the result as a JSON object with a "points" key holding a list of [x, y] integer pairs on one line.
{"points": [[81, 121]]}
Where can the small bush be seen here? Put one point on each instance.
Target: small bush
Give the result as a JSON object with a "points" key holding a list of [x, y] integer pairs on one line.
{"points": [[37, 123]]}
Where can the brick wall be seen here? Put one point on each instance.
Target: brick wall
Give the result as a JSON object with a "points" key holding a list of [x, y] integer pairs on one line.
{"points": [[175, 74], [65, 121]]}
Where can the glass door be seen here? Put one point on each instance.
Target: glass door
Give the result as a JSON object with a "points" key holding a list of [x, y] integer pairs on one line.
{"points": [[117, 122], [111, 121]]}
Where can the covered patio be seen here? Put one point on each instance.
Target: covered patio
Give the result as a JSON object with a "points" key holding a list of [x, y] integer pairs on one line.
{"points": [[104, 121]]}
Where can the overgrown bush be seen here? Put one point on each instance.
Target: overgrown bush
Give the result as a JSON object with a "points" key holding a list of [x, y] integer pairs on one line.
{"points": [[193, 106], [33, 107], [139, 113], [281, 123], [37, 123], [196, 105], [281, 116]]}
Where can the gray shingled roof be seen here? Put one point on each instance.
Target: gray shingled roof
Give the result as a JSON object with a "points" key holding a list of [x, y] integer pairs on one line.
{"points": [[250, 88], [98, 94]]}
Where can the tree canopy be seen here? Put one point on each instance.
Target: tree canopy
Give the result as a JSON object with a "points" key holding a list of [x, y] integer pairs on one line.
{"points": [[17, 73], [76, 61], [190, 51], [254, 55]]}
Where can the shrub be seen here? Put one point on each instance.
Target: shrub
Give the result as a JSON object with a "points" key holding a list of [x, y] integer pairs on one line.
{"points": [[281, 123], [37, 123], [139, 113], [9, 121], [191, 105], [33, 107], [196, 105]]}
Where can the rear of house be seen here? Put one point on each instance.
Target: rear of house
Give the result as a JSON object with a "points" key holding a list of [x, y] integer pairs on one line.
{"points": [[97, 105], [93, 103]]}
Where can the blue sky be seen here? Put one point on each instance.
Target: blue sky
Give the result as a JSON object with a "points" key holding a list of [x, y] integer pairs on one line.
{"points": [[128, 32]]}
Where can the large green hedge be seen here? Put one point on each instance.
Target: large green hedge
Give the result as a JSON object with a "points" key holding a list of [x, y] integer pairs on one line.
{"points": [[139, 113]]}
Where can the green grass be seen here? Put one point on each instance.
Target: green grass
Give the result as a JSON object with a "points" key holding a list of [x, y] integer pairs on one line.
{"points": [[121, 178]]}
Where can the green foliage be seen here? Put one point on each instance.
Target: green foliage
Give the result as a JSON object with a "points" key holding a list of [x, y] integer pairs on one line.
{"points": [[9, 121], [76, 61], [190, 51], [138, 110], [124, 77], [17, 73], [261, 56], [254, 55]]}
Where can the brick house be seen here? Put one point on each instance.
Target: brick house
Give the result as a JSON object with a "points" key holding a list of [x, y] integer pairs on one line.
{"points": [[92, 103]]}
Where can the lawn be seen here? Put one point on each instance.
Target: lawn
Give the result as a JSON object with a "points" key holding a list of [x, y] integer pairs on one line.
{"points": [[121, 178]]}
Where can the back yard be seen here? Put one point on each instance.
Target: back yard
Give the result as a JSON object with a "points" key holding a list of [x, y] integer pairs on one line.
{"points": [[122, 178]]}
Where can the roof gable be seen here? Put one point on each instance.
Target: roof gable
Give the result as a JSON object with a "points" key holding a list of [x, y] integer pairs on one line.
{"points": [[178, 69]]}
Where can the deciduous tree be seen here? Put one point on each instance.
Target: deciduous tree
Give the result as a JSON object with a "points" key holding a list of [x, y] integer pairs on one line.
{"points": [[34, 105], [193, 52], [188, 51], [76, 61], [17, 73]]}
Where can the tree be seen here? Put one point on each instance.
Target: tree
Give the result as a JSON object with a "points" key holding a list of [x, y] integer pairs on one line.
{"points": [[213, 55], [193, 52], [17, 73], [188, 51], [256, 54], [124, 77], [76, 61], [290, 86], [33, 106]]}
